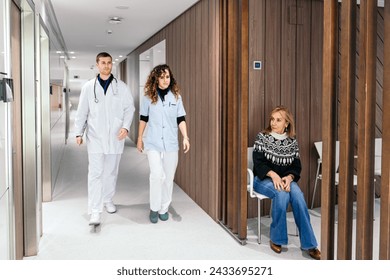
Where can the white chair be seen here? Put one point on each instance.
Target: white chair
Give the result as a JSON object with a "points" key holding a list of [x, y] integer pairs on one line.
{"points": [[254, 194], [378, 160], [318, 146], [378, 157], [257, 195]]}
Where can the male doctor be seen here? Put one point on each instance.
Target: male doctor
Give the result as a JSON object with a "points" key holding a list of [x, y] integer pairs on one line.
{"points": [[104, 113]]}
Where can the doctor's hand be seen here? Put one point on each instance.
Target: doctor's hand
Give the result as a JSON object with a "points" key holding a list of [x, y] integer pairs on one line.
{"points": [[79, 140], [122, 133], [186, 144]]}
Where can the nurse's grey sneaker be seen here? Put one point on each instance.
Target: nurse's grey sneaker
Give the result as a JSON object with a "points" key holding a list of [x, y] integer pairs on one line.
{"points": [[163, 217], [95, 219], [153, 216], [110, 207]]}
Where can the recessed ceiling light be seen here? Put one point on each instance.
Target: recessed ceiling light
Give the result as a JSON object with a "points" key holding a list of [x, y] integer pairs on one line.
{"points": [[115, 20], [122, 7]]}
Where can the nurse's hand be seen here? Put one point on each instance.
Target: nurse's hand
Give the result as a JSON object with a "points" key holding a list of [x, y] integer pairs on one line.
{"points": [[186, 145], [140, 145], [122, 133]]}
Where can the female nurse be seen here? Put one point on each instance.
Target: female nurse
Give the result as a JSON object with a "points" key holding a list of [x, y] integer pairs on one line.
{"points": [[162, 114]]}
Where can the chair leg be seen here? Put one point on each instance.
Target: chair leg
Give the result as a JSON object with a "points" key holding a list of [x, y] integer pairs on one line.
{"points": [[315, 187], [259, 221]]}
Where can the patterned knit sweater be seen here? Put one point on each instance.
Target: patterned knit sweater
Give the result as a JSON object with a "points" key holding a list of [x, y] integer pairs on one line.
{"points": [[276, 152]]}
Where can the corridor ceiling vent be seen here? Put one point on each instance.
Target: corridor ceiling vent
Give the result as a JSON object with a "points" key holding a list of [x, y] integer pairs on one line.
{"points": [[115, 20], [122, 7]]}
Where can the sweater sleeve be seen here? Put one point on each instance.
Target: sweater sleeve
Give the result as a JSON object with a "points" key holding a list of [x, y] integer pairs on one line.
{"points": [[261, 166], [294, 169]]}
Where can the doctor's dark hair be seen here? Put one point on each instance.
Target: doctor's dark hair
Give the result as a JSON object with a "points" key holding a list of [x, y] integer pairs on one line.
{"points": [[102, 54], [152, 83], [290, 129]]}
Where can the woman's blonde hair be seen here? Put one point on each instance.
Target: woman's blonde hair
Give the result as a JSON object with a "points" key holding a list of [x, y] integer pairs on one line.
{"points": [[290, 129], [152, 83]]}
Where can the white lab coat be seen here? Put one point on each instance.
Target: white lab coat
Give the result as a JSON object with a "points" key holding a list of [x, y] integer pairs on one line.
{"points": [[102, 120]]}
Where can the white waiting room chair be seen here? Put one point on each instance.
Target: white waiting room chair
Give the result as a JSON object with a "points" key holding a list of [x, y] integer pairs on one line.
{"points": [[318, 146], [378, 157], [254, 194]]}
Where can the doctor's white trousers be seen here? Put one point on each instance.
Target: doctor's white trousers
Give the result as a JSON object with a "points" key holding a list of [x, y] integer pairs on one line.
{"points": [[102, 177]]}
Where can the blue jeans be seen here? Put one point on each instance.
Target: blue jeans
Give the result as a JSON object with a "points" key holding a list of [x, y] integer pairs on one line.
{"points": [[280, 201]]}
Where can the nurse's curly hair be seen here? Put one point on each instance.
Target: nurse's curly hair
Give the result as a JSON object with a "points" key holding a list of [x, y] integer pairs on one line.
{"points": [[152, 83]]}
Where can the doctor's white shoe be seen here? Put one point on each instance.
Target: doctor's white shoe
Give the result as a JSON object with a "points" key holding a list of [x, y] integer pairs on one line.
{"points": [[95, 219], [110, 207]]}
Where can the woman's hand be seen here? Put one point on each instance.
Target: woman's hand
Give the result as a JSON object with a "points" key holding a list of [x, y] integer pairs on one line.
{"points": [[278, 183], [186, 144], [140, 145], [286, 182]]}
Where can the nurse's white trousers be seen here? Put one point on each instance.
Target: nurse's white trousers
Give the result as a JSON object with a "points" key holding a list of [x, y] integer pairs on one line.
{"points": [[102, 176], [162, 172]]}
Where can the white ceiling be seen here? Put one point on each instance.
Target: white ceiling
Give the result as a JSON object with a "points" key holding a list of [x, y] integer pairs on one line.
{"points": [[84, 25]]}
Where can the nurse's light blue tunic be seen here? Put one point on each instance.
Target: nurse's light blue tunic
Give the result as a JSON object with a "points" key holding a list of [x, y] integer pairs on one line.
{"points": [[162, 129]]}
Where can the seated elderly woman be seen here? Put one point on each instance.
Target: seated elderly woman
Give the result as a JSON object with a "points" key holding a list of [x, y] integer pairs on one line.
{"points": [[277, 169]]}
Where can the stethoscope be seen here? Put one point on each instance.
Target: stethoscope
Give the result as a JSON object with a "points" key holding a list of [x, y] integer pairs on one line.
{"points": [[105, 87]]}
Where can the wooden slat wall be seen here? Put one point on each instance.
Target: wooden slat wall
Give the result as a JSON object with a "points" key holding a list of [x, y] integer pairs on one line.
{"points": [[234, 115], [384, 244], [287, 37], [316, 104], [193, 53], [346, 131], [316, 89], [366, 119], [369, 75], [329, 100]]}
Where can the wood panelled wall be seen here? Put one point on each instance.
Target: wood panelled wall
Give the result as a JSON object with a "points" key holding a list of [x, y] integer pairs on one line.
{"points": [[361, 112], [193, 53], [384, 244], [379, 83], [234, 73], [286, 36]]}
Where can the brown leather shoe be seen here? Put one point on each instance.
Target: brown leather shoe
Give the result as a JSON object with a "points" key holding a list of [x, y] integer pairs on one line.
{"points": [[314, 253], [276, 248]]}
